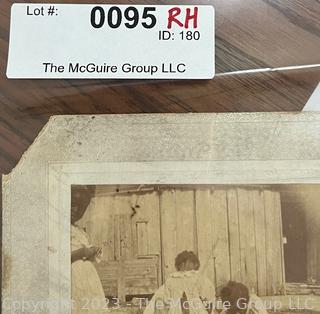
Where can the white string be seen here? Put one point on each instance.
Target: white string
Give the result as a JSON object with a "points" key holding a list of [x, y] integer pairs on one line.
{"points": [[288, 68]]}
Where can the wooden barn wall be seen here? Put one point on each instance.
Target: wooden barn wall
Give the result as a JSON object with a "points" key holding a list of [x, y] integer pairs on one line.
{"points": [[235, 231]]}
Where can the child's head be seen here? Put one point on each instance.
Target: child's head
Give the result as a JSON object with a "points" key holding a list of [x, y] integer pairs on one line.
{"points": [[186, 261], [235, 294]]}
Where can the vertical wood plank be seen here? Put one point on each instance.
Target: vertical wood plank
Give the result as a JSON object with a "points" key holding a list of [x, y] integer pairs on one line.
{"points": [[269, 204], [97, 216], [148, 210], [107, 236], [129, 233], [273, 242], [117, 239], [243, 203], [116, 210], [125, 236], [220, 236], [121, 282], [278, 243], [260, 236], [315, 242], [205, 235], [168, 231], [185, 220], [138, 216], [234, 240], [312, 258], [109, 253], [312, 215], [142, 236], [317, 263], [247, 238], [313, 235], [122, 207]]}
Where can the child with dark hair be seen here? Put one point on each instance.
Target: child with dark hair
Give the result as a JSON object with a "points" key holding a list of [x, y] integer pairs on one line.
{"points": [[236, 296], [187, 260], [237, 300], [185, 291]]}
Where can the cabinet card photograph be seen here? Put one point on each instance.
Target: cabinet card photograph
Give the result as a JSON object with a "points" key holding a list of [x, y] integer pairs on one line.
{"points": [[161, 213]]}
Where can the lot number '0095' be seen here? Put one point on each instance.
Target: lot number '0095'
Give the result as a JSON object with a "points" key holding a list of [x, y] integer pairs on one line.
{"points": [[114, 17]]}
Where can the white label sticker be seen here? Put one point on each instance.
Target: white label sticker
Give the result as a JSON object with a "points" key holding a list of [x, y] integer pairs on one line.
{"points": [[111, 41]]}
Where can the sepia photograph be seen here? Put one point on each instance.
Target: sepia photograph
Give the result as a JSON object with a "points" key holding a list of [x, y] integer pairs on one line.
{"points": [[193, 248]]}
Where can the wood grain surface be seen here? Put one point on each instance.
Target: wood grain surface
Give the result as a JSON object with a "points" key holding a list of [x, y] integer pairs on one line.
{"points": [[250, 34]]}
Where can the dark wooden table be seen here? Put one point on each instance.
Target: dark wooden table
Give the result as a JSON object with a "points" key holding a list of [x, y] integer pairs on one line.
{"points": [[250, 34]]}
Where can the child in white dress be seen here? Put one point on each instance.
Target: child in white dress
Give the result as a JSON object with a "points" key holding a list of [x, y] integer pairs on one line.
{"points": [[86, 288], [185, 291]]}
